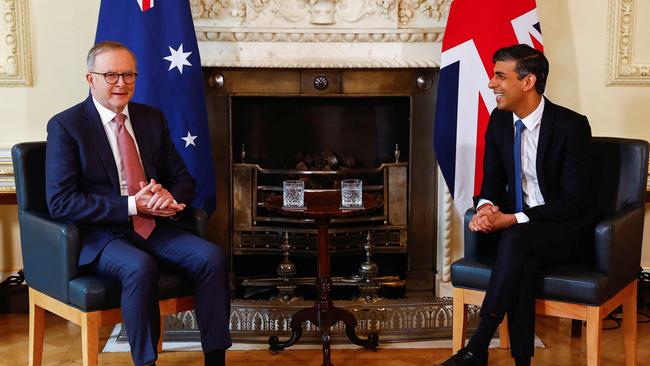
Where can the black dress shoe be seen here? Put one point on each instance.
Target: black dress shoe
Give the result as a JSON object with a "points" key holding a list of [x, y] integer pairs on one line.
{"points": [[465, 357]]}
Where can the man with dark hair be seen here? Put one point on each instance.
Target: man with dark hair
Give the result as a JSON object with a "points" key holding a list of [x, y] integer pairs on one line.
{"points": [[112, 169], [534, 203]]}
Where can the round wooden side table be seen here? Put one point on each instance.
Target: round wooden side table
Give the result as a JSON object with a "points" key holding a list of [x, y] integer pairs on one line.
{"points": [[322, 207]]}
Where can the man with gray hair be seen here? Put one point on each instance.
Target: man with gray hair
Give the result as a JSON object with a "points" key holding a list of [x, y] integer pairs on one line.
{"points": [[112, 169]]}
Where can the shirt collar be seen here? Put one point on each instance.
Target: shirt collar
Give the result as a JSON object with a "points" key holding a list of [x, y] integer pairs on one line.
{"points": [[534, 119], [106, 115]]}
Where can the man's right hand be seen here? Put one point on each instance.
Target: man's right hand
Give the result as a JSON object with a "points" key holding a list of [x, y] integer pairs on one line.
{"points": [[484, 218]]}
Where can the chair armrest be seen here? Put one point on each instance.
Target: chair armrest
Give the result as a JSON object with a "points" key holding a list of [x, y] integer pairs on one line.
{"points": [[471, 238], [194, 220], [618, 241], [475, 242], [50, 253]]}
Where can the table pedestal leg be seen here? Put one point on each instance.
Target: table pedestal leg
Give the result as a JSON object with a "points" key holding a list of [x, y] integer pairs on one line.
{"points": [[324, 314]]}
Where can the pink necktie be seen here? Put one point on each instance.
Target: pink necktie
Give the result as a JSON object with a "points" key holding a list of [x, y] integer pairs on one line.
{"points": [[142, 224]]}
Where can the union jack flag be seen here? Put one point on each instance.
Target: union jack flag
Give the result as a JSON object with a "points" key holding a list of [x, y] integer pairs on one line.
{"points": [[146, 4], [475, 30]]}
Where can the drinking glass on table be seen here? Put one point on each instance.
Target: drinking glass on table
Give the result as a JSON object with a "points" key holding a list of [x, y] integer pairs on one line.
{"points": [[351, 193]]}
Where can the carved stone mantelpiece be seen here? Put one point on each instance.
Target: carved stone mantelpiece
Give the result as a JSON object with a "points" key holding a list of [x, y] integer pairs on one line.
{"points": [[15, 58], [320, 33], [622, 68]]}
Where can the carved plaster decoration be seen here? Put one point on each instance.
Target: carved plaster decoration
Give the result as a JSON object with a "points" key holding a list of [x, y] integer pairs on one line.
{"points": [[352, 11], [321, 63], [322, 11], [206, 9], [621, 67], [15, 57], [320, 33], [322, 37], [435, 9], [291, 11], [446, 208]]}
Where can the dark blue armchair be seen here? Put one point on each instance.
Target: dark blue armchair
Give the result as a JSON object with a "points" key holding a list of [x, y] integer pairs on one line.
{"points": [[50, 250], [581, 292]]}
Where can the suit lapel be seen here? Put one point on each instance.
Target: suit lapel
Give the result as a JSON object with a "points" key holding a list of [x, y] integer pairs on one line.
{"points": [[507, 143], [140, 125], [545, 131], [93, 125]]}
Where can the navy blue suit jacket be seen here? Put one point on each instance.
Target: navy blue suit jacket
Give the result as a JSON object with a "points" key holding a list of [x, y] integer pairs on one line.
{"points": [[81, 176], [564, 166]]}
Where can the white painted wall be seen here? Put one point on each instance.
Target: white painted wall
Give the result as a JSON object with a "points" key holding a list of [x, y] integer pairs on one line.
{"points": [[575, 36]]}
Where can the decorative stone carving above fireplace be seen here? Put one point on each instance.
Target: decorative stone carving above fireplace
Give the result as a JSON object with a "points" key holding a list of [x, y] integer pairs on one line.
{"points": [[320, 33]]}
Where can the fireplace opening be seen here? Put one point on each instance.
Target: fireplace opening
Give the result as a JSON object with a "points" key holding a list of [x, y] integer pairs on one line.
{"points": [[270, 125], [319, 140], [277, 132]]}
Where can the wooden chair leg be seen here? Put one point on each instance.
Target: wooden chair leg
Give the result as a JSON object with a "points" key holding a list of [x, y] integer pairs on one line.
{"points": [[504, 335], [90, 339], [36, 330], [594, 331], [459, 320], [630, 327], [162, 331]]}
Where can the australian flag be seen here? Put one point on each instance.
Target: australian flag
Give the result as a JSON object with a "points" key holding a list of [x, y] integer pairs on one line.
{"points": [[475, 30], [161, 34]]}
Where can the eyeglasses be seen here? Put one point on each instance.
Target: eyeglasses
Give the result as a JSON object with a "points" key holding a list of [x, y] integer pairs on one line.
{"points": [[112, 77]]}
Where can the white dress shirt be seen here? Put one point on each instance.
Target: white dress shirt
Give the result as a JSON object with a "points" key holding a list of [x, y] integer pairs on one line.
{"points": [[110, 127], [529, 139]]}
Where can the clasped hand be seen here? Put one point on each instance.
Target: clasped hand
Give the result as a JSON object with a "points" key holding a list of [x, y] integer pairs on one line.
{"points": [[489, 218], [155, 200]]}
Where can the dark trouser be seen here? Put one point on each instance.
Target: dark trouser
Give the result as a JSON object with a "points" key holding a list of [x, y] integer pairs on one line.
{"points": [[135, 263], [523, 249]]}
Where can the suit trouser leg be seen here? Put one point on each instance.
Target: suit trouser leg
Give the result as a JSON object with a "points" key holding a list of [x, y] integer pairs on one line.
{"points": [[522, 250], [138, 273], [204, 263], [521, 314]]}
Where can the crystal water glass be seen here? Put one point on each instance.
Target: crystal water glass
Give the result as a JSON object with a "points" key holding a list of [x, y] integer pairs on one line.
{"points": [[351, 193], [293, 194]]}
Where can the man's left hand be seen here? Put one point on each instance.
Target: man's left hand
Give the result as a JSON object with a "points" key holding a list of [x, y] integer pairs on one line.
{"points": [[490, 219], [162, 199]]}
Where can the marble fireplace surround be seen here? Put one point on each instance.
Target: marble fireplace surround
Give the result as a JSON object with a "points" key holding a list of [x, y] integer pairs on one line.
{"points": [[328, 34], [320, 33]]}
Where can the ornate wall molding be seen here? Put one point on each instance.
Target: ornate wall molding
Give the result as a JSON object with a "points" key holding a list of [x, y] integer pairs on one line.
{"points": [[621, 67], [298, 36], [321, 12], [436, 9], [15, 56], [320, 33], [7, 182], [445, 212], [321, 63]]}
